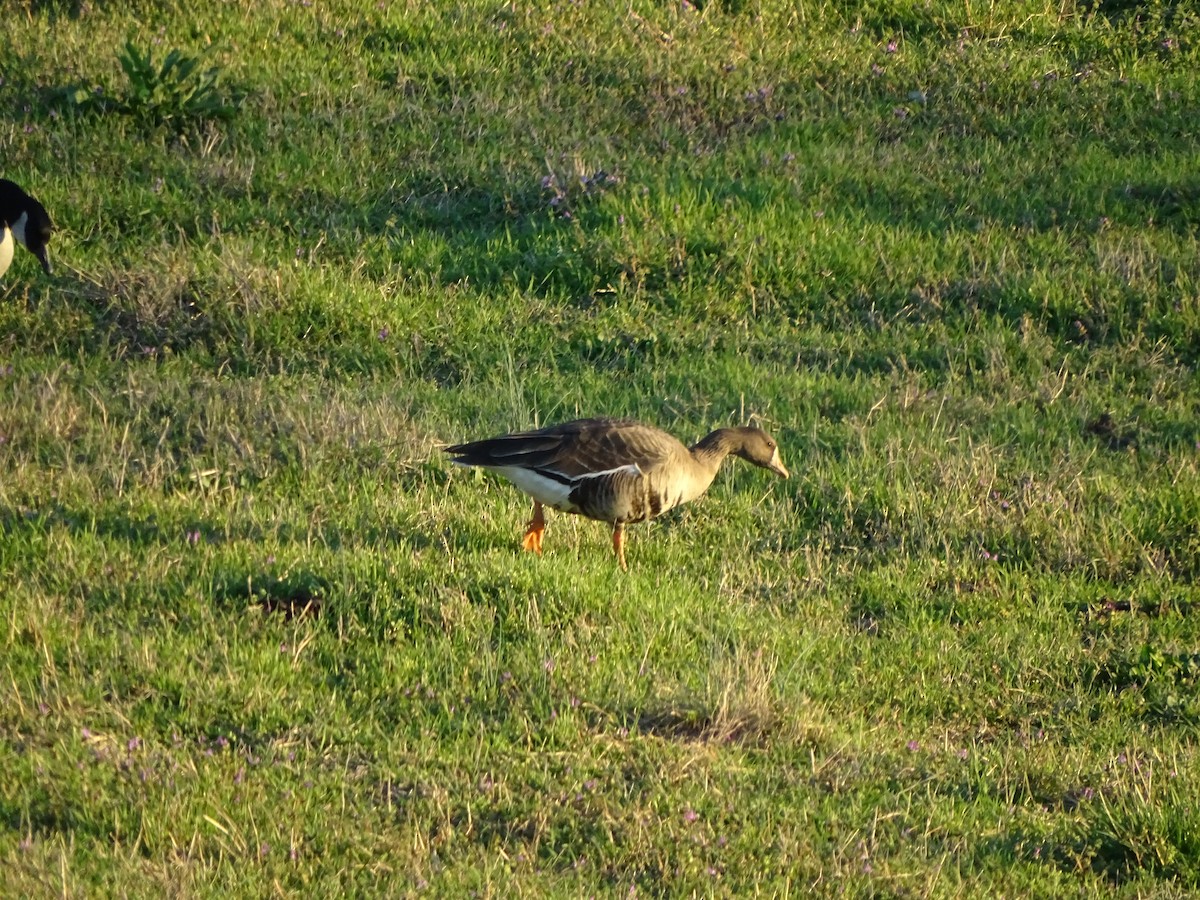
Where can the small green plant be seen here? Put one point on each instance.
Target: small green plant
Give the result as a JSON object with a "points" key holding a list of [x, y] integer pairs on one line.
{"points": [[176, 90], [179, 88]]}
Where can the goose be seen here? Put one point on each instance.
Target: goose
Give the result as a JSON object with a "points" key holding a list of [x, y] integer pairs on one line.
{"points": [[612, 470], [22, 221]]}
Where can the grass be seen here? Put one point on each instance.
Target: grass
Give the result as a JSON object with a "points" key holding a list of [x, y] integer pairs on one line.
{"points": [[257, 637]]}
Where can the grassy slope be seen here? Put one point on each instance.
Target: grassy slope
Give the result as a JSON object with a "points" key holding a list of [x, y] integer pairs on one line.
{"points": [[955, 654]]}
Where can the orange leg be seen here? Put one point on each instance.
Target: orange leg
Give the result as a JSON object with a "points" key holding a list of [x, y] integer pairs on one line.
{"points": [[619, 545], [534, 530]]}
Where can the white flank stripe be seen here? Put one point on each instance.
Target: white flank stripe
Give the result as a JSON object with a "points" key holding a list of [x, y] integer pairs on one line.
{"points": [[631, 469]]}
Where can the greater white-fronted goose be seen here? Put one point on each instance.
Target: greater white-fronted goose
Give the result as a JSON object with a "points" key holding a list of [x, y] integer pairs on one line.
{"points": [[612, 470]]}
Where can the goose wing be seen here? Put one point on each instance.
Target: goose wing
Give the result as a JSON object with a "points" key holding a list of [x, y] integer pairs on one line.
{"points": [[584, 448]]}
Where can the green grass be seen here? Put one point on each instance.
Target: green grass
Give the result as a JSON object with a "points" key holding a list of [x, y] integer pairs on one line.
{"points": [[257, 637]]}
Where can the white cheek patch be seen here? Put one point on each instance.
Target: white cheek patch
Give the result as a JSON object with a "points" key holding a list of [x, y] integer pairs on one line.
{"points": [[18, 229]]}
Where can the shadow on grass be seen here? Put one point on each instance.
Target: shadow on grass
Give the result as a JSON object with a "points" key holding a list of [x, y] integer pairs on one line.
{"points": [[1163, 203], [696, 723], [1157, 682], [133, 530], [294, 595], [45, 816], [1120, 840], [143, 531]]}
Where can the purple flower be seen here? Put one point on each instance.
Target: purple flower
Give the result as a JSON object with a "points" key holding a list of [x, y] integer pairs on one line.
{"points": [[193, 537], [690, 815], [383, 333], [133, 744], [913, 746], [891, 47]]}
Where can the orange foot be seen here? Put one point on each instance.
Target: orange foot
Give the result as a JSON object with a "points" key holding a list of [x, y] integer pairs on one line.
{"points": [[619, 546], [534, 531]]}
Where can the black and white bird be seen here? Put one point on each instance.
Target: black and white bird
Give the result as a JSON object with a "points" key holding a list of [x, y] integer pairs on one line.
{"points": [[612, 470], [23, 221]]}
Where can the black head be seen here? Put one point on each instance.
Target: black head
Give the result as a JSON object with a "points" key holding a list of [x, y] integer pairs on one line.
{"points": [[758, 447], [28, 220]]}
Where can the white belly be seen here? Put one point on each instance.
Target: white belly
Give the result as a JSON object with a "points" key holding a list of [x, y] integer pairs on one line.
{"points": [[6, 248], [545, 490]]}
